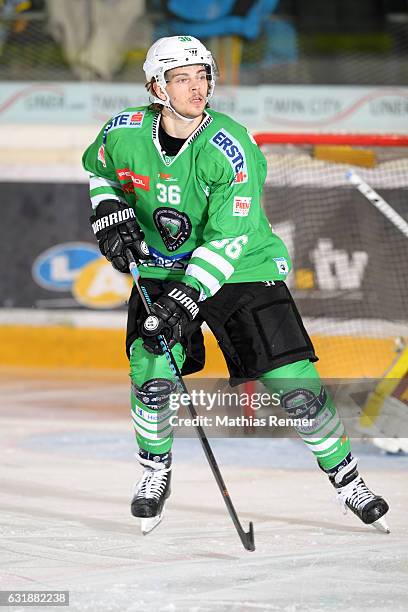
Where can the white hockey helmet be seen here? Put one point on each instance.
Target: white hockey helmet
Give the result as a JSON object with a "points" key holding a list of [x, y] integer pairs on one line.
{"points": [[173, 52]]}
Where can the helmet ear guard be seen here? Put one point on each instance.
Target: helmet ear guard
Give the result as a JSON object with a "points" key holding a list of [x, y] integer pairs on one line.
{"points": [[174, 52]]}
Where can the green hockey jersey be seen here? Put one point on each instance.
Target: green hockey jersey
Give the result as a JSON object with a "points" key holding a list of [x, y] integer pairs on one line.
{"points": [[200, 210]]}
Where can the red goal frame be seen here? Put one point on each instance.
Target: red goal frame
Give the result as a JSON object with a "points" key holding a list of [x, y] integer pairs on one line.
{"points": [[312, 138]]}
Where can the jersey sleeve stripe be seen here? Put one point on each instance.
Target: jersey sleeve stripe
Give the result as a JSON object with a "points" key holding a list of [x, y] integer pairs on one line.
{"points": [[108, 190], [207, 280], [100, 181], [215, 260], [97, 199], [207, 267]]}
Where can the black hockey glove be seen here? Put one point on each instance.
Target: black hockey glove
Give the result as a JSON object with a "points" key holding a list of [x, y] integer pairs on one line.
{"points": [[169, 315], [116, 229]]}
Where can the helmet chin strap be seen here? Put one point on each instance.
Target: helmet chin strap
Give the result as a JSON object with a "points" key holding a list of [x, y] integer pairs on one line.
{"points": [[168, 105], [173, 110]]}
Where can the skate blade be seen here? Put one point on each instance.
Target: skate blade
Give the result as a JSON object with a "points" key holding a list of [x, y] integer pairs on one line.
{"points": [[381, 525], [148, 524]]}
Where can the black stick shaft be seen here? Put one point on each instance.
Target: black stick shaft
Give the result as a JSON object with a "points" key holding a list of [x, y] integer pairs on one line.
{"points": [[247, 538]]}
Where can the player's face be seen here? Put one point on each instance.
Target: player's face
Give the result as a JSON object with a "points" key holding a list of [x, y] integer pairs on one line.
{"points": [[187, 88]]}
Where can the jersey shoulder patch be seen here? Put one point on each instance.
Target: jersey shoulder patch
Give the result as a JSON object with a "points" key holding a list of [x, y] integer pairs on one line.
{"points": [[128, 118]]}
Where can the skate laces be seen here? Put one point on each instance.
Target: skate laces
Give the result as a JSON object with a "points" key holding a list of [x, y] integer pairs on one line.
{"points": [[154, 479], [355, 493]]}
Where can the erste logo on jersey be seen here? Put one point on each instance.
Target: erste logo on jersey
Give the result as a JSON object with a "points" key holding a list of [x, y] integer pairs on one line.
{"points": [[139, 181], [232, 150], [124, 120], [241, 206]]}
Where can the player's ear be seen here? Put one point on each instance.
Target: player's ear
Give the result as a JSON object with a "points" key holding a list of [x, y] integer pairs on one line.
{"points": [[157, 90]]}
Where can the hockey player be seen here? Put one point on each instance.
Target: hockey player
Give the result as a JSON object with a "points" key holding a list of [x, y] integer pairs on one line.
{"points": [[187, 181]]}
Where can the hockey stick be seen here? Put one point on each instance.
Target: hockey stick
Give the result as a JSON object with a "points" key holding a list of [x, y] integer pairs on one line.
{"points": [[379, 202], [247, 538]]}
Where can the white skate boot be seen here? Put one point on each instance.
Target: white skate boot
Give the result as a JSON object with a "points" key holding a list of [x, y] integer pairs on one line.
{"points": [[152, 490], [354, 494]]}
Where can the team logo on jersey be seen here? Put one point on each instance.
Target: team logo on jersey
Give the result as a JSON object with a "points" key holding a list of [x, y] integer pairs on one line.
{"points": [[241, 206], [124, 120], [174, 227], [139, 181], [282, 265], [233, 151]]}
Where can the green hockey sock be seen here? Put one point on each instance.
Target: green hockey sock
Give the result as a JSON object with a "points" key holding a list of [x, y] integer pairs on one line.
{"points": [[304, 397], [152, 385]]}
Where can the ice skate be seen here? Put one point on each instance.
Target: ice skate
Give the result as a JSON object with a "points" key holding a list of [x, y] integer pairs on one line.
{"points": [[152, 490], [353, 493]]}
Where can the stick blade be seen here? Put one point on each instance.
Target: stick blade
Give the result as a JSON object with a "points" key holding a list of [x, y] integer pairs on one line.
{"points": [[247, 538]]}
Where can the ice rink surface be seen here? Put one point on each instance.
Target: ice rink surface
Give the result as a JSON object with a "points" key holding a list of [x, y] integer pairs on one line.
{"points": [[65, 486]]}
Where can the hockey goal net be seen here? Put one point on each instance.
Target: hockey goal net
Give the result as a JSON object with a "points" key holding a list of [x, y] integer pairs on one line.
{"points": [[340, 202]]}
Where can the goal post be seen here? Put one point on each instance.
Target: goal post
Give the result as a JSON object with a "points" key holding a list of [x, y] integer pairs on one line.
{"points": [[340, 202], [306, 138]]}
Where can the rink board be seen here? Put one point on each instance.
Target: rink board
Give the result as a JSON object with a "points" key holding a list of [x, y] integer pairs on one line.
{"points": [[67, 346]]}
